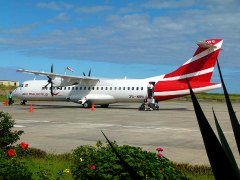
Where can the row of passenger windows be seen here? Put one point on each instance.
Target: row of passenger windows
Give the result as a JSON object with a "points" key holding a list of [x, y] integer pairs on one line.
{"points": [[94, 88]]}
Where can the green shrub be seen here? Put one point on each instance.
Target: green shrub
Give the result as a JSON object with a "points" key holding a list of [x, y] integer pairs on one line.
{"points": [[13, 169], [101, 163], [30, 152], [7, 136]]}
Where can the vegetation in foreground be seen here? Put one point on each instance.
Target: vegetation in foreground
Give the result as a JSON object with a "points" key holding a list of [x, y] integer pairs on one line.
{"points": [[86, 162]]}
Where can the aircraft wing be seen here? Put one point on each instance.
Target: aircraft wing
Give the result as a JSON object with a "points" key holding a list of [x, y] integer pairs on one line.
{"points": [[63, 79]]}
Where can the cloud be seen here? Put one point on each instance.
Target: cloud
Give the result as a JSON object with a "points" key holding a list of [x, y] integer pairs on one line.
{"points": [[59, 18], [132, 34], [165, 4], [19, 30], [92, 9], [49, 5]]}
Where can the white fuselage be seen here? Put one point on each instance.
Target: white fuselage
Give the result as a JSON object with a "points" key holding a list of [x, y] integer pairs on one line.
{"points": [[105, 91]]}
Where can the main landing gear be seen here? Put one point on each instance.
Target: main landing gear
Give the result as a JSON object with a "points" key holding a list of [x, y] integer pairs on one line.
{"points": [[88, 104]]}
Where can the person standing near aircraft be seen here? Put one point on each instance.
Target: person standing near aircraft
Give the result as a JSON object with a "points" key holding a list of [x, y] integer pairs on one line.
{"points": [[9, 97]]}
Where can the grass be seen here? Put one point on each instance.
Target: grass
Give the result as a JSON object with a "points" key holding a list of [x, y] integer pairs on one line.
{"points": [[213, 97], [52, 166], [200, 172]]}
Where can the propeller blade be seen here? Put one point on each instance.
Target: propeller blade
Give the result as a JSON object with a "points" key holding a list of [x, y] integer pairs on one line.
{"points": [[89, 73], [46, 85], [52, 68], [84, 74], [51, 89]]}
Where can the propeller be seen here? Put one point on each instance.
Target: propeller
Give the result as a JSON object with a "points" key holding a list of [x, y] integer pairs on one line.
{"points": [[89, 73], [50, 82]]}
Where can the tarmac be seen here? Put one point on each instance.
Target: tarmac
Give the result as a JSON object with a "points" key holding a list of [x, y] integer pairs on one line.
{"points": [[59, 127]]}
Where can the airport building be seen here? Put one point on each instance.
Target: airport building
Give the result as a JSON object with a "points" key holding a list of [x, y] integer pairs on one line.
{"points": [[8, 83]]}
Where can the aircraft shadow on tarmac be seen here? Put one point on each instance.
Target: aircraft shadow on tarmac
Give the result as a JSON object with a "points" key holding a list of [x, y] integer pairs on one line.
{"points": [[115, 106]]}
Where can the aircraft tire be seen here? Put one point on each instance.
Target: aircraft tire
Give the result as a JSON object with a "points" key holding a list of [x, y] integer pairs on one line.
{"points": [[104, 105], [23, 102], [87, 104]]}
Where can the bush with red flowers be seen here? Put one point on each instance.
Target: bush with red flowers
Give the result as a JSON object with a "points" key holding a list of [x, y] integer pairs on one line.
{"points": [[100, 162], [12, 167], [7, 136]]}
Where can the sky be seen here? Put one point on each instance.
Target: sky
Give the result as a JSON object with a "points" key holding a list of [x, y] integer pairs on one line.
{"points": [[118, 38]]}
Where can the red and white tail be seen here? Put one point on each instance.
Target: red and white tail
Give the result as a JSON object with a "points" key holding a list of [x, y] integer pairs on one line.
{"points": [[200, 67]]}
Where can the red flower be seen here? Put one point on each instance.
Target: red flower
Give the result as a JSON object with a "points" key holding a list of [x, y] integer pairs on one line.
{"points": [[160, 155], [159, 149], [161, 170], [23, 145], [92, 166], [11, 152]]}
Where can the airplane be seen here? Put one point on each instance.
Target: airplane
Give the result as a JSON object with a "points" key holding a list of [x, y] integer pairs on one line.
{"points": [[87, 90]]}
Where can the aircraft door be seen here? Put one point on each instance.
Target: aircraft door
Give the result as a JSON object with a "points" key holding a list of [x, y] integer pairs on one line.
{"points": [[150, 90]]}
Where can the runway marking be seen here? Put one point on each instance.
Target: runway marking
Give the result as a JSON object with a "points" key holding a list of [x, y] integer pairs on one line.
{"points": [[144, 127], [18, 126], [23, 121], [101, 125], [137, 127]]}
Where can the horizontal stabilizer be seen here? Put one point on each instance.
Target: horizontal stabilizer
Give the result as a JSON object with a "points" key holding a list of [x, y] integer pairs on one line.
{"points": [[202, 44]]}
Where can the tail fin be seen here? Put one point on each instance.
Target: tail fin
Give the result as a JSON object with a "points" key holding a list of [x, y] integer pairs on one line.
{"points": [[200, 67]]}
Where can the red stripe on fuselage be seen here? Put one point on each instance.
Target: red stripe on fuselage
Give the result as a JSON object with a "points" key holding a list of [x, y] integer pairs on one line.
{"points": [[163, 86], [203, 63], [199, 78], [163, 98]]}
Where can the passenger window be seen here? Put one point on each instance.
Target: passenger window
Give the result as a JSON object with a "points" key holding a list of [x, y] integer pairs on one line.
{"points": [[85, 88], [128, 88], [106, 88], [80, 88], [137, 88], [89, 88], [76, 88], [92, 88], [101, 88], [115, 88], [141, 88], [119, 88], [69, 88], [124, 88], [97, 88], [65, 88], [132, 88], [72, 88], [110, 88]]}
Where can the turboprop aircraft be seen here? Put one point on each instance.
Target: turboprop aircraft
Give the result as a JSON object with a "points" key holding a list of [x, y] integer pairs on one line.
{"points": [[86, 90]]}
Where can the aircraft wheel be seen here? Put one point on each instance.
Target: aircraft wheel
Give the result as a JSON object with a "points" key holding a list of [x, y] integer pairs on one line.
{"points": [[23, 102], [104, 105], [87, 104]]}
